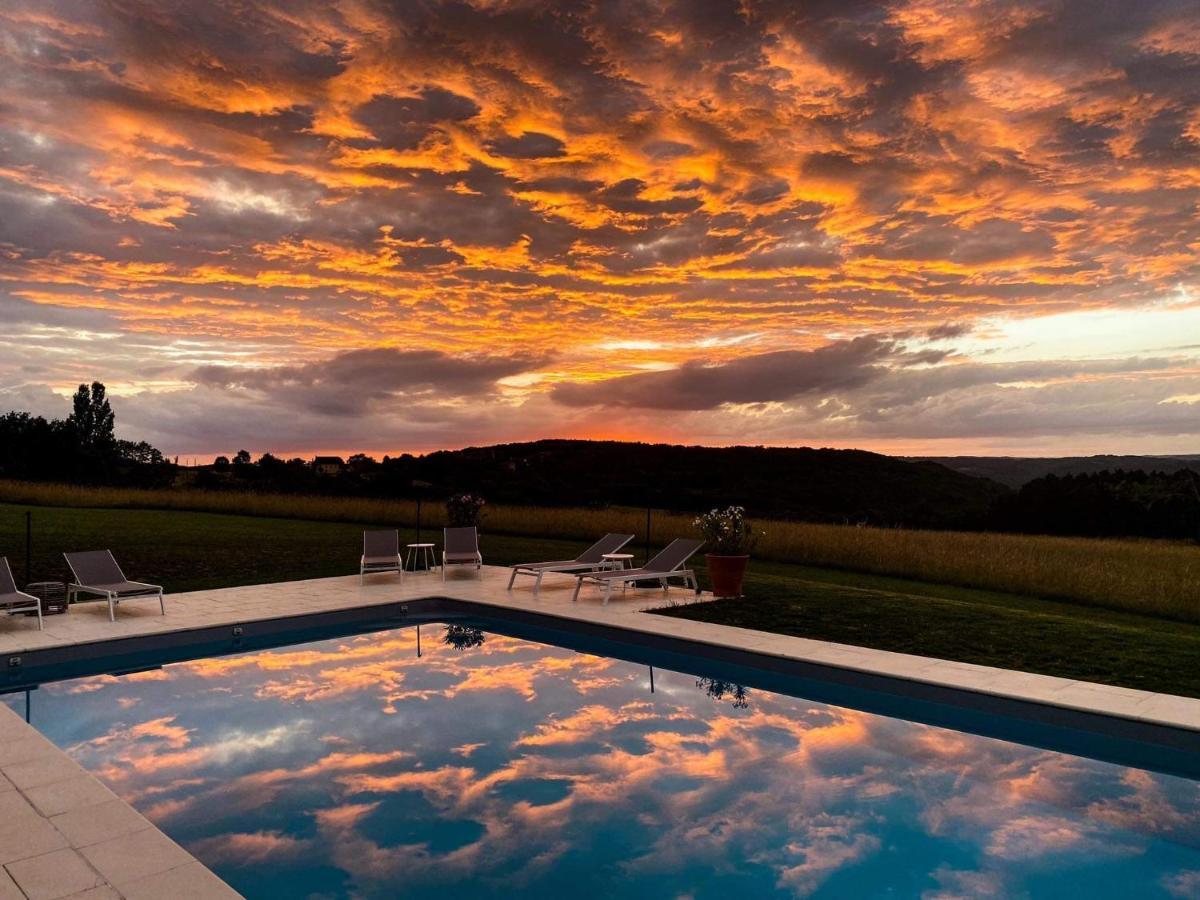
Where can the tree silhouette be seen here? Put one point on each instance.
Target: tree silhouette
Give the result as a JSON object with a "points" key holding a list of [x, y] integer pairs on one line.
{"points": [[463, 637], [241, 458], [92, 419], [718, 690]]}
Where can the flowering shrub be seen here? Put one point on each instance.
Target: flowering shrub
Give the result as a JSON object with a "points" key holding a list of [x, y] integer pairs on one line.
{"points": [[464, 509], [726, 531]]}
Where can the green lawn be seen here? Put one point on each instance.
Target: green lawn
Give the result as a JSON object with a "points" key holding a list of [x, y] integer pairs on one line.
{"points": [[191, 551]]}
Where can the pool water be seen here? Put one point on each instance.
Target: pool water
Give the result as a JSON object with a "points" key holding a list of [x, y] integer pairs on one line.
{"points": [[484, 765]]}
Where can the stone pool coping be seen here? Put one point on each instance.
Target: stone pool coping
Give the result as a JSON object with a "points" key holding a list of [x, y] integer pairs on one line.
{"points": [[63, 834], [115, 858]]}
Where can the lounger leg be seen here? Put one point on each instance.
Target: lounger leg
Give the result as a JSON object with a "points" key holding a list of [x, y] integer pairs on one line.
{"points": [[112, 616], [41, 624], [162, 604], [513, 578], [537, 584], [607, 590], [578, 585], [664, 584]]}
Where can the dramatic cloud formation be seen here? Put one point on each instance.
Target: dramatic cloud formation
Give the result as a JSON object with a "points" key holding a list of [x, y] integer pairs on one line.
{"points": [[821, 222]]}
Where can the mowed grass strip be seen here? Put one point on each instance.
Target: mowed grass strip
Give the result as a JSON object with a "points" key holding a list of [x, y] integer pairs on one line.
{"points": [[982, 627], [195, 550], [1159, 578]]}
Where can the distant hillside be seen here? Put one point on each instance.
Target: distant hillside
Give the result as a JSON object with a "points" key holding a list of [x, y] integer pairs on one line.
{"points": [[1015, 471], [816, 485]]}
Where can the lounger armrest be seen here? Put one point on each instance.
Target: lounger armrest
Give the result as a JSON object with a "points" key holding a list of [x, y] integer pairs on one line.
{"points": [[76, 587], [149, 587], [18, 597]]}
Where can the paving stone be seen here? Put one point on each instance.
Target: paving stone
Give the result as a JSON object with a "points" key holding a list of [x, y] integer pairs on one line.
{"points": [[104, 892], [23, 749], [8, 887], [23, 831], [188, 882], [54, 875], [134, 856], [51, 766], [93, 824], [72, 793]]}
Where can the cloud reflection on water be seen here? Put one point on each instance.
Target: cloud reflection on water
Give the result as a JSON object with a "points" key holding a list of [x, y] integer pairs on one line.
{"points": [[353, 767]]}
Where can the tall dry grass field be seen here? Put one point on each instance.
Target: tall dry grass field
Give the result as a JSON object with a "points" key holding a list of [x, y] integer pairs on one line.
{"points": [[1152, 577]]}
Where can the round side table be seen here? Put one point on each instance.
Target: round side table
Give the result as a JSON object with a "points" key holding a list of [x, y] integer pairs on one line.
{"points": [[419, 553], [615, 561]]}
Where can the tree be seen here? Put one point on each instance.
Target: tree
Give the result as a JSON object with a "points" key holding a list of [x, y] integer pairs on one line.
{"points": [[241, 458], [221, 463], [140, 452], [718, 690], [463, 637], [92, 419]]}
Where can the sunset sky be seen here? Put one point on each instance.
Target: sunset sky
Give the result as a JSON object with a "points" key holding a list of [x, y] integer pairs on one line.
{"points": [[917, 227]]}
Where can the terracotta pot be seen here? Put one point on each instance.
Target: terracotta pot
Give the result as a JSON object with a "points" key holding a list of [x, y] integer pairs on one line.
{"points": [[726, 574]]}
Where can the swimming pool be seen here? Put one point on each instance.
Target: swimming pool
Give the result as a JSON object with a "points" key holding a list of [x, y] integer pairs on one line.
{"points": [[457, 760]]}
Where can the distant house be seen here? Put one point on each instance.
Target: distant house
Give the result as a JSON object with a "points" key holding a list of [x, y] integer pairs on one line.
{"points": [[328, 465]]}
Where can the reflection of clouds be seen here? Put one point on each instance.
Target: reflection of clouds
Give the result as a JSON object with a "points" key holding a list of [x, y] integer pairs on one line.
{"points": [[1183, 884], [242, 849], [957, 884], [827, 844], [1147, 808], [1031, 837], [525, 755]]}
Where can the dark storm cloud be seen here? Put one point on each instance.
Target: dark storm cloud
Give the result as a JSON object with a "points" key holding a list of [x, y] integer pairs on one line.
{"points": [[530, 145], [401, 122], [782, 375], [348, 383]]}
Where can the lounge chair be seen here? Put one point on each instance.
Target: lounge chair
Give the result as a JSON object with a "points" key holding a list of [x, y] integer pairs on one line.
{"points": [[13, 601], [666, 565], [381, 553], [460, 547], [96, 572], [589, 560]]}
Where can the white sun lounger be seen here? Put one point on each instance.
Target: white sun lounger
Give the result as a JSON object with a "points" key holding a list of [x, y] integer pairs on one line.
{"points": [[589, 560], [13, 601], [96, 572], [460, 547], [666, 565], [381, 553]]}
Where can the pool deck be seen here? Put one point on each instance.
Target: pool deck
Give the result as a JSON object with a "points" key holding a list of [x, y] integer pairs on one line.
{"points": [[63, 834]]}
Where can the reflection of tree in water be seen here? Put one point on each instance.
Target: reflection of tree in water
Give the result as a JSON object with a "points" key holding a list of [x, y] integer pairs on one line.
{"points": [[737, 694], [463, 637]]}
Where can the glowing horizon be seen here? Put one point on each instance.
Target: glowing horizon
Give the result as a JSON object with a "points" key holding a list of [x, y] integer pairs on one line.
{"points": [[355, 227]]}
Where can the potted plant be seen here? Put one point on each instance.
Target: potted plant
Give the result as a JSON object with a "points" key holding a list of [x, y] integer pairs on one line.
{"points": [[464, 510], [729, 539]]}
